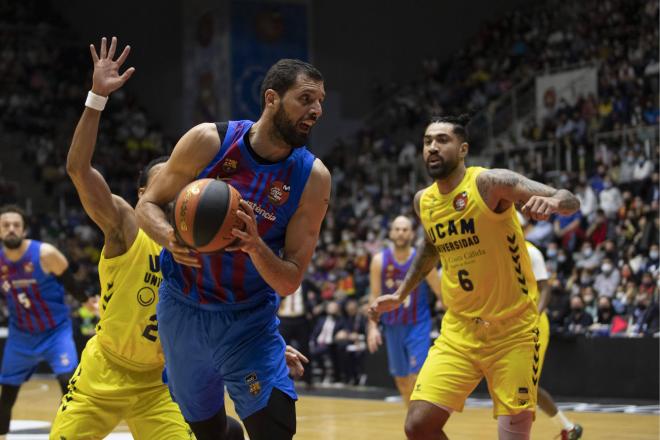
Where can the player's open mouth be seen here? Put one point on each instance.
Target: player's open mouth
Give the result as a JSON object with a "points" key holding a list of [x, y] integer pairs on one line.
{"points": [[436, 161]]}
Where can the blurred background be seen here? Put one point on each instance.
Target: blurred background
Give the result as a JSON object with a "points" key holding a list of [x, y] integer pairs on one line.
{"points": [[563, 92]]}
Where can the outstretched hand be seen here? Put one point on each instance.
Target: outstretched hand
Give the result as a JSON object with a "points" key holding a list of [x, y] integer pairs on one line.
{"points": [[295, 360], [106, 78]]}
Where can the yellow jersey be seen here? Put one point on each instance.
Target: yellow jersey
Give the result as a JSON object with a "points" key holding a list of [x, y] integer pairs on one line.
{"points": [[486, 270], [128, 330]]}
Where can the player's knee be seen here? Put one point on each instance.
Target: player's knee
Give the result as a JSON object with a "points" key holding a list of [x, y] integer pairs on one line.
{"points": [[424, 420], [277, 421], [516, 427]]}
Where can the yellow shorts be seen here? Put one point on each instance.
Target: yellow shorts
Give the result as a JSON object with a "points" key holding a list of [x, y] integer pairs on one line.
{"points": [[102, 393], [506, 353], [544, 337]]}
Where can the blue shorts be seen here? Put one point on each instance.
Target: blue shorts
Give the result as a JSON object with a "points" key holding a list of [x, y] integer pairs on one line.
{"points": [[23, 352], [407, 347], [204, 350]]}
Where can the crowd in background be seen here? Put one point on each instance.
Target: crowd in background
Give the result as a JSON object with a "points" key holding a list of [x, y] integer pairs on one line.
{"points": [[603, 260]]}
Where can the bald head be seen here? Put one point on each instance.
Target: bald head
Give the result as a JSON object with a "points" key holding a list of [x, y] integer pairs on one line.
{"points": [[401, 232]]}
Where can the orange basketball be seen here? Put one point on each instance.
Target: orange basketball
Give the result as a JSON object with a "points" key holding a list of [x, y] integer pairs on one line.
{"points": [[205, 214]]}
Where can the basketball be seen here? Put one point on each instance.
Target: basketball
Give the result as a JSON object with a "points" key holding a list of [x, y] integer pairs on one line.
{"points": [[205, 214]]}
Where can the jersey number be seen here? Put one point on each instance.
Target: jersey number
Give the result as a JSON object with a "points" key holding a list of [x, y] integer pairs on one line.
{"points": [[151, 330], [24, 300], [466, 283]]}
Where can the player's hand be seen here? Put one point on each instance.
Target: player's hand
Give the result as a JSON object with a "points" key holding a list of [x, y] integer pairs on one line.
{"points": [[295, 360], [374, 340], [384, 303], [106, 78], [249, 240], [92, 304], [182, 254], [540, 208]]}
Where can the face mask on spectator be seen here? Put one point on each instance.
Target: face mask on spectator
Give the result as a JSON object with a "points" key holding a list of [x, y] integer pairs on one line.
{"points": [[552, 253], [606, 268], [607, 185], [588, 299], [653, 255], [561, 258], [585, 279], [587, 252]]}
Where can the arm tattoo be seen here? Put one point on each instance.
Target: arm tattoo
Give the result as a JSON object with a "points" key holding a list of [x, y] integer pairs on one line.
{"points": [[519, 189], [425, 260]]}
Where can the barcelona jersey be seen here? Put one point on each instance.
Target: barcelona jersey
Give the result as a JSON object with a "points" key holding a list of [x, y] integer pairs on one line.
{"points": [[35, 299], [229, 280], [416, 306]]}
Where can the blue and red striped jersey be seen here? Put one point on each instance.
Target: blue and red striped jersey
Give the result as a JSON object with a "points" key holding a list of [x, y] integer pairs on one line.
{"points": [[229, 280], [35, 299], [416, 306]]}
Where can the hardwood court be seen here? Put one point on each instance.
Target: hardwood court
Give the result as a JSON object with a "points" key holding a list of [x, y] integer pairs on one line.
{"points": [[322, 418]]}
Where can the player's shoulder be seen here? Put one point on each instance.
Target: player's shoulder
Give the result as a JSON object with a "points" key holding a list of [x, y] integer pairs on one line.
{"points": [[320, 171], [45, 249], [377, 258]]}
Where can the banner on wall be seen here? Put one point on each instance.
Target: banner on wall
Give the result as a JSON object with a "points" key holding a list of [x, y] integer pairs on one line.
{"points": [[566, 86], [206, 75], [262, 33]]}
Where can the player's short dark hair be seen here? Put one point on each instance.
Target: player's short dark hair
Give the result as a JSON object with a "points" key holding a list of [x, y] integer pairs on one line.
{"points": [[460, 123], [283, 74], [15, 209], [143, 177]]}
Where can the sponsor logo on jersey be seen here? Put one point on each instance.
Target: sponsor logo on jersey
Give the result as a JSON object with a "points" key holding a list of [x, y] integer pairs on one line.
{"points": [[460, 201], [278, 193], [146, 296], [253, 384], [229, 165]]}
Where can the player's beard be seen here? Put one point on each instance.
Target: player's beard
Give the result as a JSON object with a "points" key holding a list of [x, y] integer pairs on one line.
{"points": [[287, 131], [443, 169], [12, 241]]}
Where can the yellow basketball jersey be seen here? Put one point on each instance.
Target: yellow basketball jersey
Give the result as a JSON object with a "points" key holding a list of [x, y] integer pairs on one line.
{"points": [[486, 270], [128, 330]]}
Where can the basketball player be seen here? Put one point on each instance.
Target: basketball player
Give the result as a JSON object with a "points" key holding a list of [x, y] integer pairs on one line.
{"points": [[569, 430], [217, 312], [33, 278], [487, 285], [407, 329], [120, 375]]}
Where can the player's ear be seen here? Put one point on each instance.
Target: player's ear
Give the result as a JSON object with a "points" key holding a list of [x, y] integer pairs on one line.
{"points": [[271, 97], [463, 149]]}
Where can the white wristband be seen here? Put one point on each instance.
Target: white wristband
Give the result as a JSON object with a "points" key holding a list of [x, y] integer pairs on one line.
{"points": [[97, 102]]}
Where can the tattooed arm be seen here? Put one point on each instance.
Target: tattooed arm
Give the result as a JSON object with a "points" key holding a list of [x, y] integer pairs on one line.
{"points": [[425, 260], [501, 188]]}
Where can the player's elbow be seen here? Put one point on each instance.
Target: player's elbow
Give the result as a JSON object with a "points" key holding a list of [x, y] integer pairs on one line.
{"points": [[73, 167], [289, 287]]}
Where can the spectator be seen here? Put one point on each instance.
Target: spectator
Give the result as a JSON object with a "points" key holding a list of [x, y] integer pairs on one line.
{"points": [[325, 344], [352, 341], [610, 198], [607, 280], [578, 321], [567, 229]]}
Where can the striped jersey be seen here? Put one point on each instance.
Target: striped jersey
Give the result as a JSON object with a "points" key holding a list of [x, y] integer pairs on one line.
{"points": [[229, 280], [35, 299], [416, 306]]}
